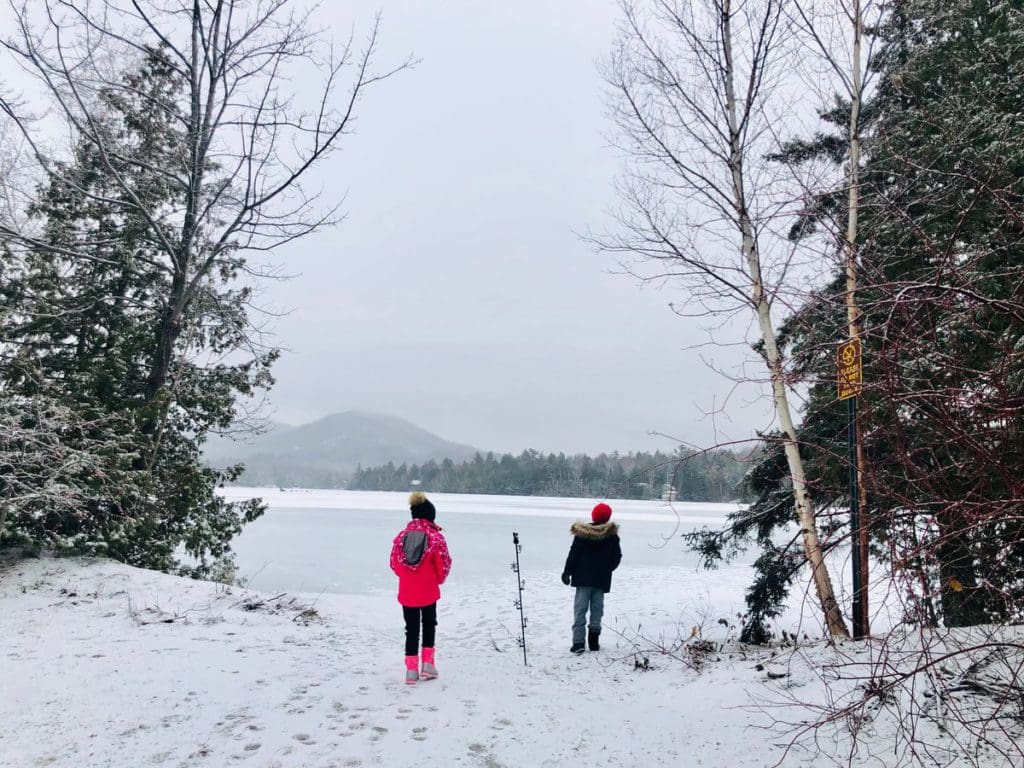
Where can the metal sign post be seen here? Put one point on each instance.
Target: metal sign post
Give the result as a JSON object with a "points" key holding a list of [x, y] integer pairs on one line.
{"points": [[850, 381]]}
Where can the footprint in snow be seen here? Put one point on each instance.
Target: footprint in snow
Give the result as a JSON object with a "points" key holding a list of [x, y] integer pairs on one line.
{"points": [[247, 751]]}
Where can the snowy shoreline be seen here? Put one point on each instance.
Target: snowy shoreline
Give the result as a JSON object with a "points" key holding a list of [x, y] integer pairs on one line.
{"points": [[567, 507], [107, 665]]}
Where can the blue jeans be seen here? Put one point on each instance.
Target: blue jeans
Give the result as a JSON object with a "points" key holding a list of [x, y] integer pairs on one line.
{"points": [[587, 598]]}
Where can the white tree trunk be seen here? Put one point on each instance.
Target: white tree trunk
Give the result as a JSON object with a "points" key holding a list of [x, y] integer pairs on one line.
{"points": [[834, 621]]}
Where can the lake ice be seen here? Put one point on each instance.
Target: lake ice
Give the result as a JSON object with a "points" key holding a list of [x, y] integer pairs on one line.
{"points": [[340, 541]]}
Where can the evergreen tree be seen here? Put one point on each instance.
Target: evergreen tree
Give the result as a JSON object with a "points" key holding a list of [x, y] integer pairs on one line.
{"points": [[941, 260], [713, 476], [91, 307], [949, 246]]}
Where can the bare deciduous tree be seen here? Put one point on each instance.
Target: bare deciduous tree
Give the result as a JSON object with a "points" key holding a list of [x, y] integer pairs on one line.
{"points": [[693, 83], [825, 26], [15, 180], [253, 137], [180, 137]]}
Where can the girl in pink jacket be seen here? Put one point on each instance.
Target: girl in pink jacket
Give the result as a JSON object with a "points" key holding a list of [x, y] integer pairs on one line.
{"points": [[420, 559]]}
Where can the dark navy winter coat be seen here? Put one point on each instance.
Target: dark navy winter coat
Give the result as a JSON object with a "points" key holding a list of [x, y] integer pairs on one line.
{"points": [[594, 554]]}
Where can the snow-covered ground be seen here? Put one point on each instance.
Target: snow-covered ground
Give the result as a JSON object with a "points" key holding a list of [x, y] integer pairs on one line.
{"points": [[106, 665]]}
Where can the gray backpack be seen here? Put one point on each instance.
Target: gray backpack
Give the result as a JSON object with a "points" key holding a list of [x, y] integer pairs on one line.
{"points": [[414, 544]]}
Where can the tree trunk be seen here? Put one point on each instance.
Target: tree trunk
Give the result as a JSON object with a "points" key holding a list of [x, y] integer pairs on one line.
{"points": [[804, 509], [962, 605], [167, 333]]}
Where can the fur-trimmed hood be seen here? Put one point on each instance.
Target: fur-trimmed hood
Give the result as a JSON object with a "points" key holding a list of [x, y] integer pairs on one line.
{"points": [[594, 531]]}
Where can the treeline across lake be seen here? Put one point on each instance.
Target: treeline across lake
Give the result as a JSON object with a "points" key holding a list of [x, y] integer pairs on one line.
{"points": [[713, 476]]}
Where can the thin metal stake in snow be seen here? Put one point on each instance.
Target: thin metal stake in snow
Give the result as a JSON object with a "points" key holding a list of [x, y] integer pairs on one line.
{"points": [[519, 601]]}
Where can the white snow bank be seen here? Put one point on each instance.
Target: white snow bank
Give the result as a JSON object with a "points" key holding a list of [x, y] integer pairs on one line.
{"points": [[106, 665]]}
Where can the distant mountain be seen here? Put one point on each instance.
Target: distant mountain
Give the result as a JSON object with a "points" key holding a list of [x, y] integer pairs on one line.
{"points": [[326, 452]]}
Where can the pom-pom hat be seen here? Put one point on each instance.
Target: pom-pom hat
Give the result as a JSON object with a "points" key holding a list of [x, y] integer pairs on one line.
{"points": [[601, 513], [420, 506]]}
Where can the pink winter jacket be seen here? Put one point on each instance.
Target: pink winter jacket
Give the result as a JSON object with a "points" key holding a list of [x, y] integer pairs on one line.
{"points": [[419, 585]]}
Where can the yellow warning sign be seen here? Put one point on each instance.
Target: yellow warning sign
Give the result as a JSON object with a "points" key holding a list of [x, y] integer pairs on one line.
{"points": [[850, 369]]}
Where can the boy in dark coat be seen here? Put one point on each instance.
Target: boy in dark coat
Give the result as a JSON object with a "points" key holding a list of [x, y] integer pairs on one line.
{"points": [[594, 554]]}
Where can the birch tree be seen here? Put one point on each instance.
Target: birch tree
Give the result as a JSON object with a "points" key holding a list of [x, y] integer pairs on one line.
{"points": [[693, 87]]}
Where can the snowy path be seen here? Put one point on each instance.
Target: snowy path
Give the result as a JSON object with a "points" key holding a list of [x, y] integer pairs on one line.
{"points": [[102, 665], [94, 674]]}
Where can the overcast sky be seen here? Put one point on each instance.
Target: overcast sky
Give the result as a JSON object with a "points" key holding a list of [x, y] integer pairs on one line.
{"points": [[457, 293]]}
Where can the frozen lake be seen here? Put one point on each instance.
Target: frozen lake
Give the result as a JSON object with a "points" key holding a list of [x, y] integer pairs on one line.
{"points": [[340, 541]]}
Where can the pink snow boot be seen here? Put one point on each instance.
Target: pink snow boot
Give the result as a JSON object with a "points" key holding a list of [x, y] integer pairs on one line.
{"points": [[429, 671], [411, 675]]}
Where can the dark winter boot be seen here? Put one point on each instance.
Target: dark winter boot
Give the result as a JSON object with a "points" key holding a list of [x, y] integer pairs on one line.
{"points": [[593, 642], [577, 648]]}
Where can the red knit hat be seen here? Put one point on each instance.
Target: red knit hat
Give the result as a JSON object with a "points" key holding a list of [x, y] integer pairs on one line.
{"points": [[602, 513]]}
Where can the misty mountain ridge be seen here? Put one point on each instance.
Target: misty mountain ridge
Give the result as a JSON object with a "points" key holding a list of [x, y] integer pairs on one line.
{"points": [[325, 453]]}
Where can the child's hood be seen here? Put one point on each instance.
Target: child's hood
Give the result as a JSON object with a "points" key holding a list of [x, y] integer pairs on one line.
{"points": [[594, 531], [420, 524]]}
